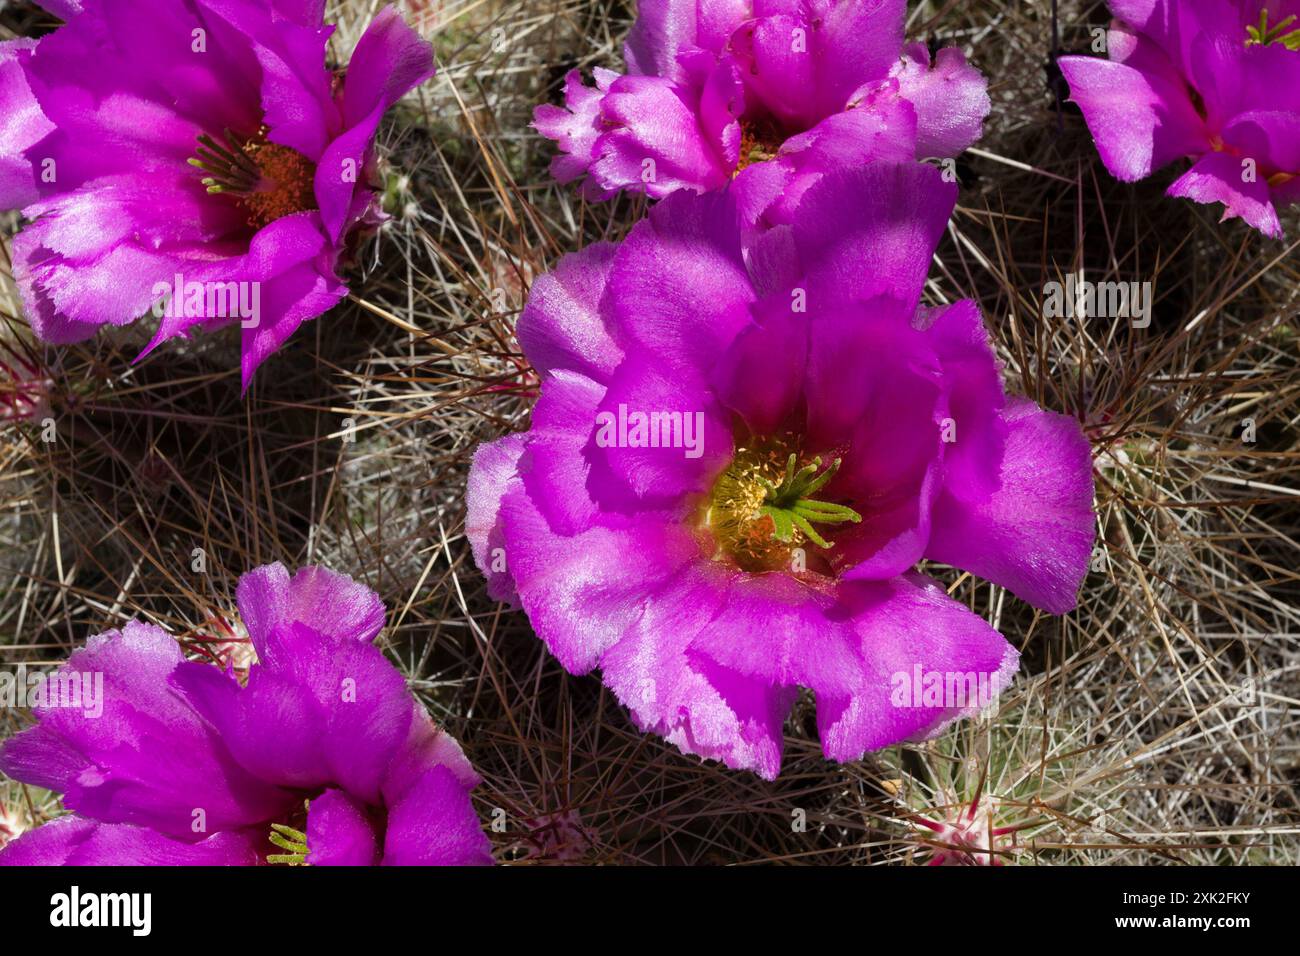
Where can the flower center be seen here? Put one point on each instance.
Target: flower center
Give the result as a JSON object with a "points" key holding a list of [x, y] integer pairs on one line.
{"points": [[268, 180], [1263, 34], [759, 141], [762, 507], [293, 842]]}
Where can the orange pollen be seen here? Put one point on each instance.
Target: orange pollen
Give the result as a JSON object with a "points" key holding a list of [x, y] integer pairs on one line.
{"points": [[287, 185]]}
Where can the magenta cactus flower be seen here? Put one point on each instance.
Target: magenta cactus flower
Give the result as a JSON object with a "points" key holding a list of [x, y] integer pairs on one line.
{"points": [[741, 452], [322, 757], [786, 88], [1214, 80], [195, 159]]}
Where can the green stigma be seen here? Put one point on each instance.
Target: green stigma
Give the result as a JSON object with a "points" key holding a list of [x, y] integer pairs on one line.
{"points": [[759, 142], [294, 841], [762, 508], [790, 504], [1263, 34], [228, 167]]}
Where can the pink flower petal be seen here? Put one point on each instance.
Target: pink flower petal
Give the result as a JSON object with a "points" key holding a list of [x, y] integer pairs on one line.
{"points": [[951, 99], [1033, 534], [1220, 177]]}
